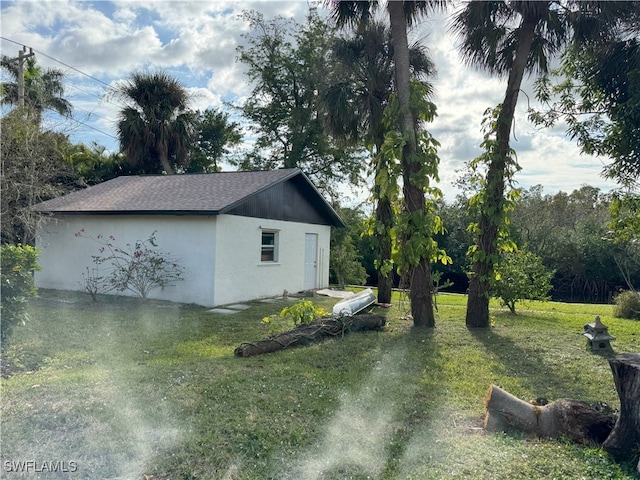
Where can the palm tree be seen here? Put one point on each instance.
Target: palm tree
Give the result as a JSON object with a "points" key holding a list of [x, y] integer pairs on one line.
{"points": [[401, 15], [513, 38], [354, 107], [43, 89], [155, 125]]}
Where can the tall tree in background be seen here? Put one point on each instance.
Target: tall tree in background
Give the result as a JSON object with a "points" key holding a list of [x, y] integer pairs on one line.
{"points": [[512, 38], [155, 122], [353, 109], [570, 233], [288, 64], [403, 14], [214, 133], [43, 89], [34, 167], [597, 92]]}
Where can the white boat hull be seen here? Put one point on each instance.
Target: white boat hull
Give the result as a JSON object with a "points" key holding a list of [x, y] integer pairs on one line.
{"points": [[356, 303]]}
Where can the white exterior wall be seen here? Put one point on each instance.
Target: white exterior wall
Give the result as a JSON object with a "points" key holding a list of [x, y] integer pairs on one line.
{"points": [[189, 239], [220, 254], [241, 275]]}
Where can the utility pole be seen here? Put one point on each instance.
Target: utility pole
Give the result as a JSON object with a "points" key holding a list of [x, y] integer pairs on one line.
{"points": [[22, 56]]}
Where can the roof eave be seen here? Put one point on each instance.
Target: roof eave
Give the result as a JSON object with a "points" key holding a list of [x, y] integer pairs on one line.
{"points": [[130, 212]]}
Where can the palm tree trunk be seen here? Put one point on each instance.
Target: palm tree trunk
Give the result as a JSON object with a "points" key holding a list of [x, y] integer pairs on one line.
{"points": [[421, 287], [384, 217], [163, 153], [478, 300]]}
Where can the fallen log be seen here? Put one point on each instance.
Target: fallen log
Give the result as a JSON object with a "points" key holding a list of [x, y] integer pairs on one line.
{"points": [[580, 421], [624, 441], [310, 333]]}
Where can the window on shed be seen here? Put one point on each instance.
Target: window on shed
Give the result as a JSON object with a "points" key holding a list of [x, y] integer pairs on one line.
{"points": [[269, 252]]}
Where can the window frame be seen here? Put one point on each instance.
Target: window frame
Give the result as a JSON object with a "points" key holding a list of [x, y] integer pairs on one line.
{"points": [[265, 248]]}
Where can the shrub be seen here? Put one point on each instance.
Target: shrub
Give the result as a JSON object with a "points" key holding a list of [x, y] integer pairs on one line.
{"points": [[521, 275], [345, 264], [18, 264], [138, 268], [302, 312], [627, 305]]}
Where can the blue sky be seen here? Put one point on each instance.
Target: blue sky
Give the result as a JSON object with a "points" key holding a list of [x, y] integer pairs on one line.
{"points": [[98, 43]]}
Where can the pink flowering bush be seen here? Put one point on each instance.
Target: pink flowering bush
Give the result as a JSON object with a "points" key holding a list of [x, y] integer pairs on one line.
{"points": [[139, 267]]}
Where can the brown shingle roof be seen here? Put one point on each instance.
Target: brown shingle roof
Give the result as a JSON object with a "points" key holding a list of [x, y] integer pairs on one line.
{"points": [[204, 193]]}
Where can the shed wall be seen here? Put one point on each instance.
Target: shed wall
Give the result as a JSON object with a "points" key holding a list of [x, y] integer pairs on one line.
{"points": [[64, 257], [240, 273], [220, 254]]}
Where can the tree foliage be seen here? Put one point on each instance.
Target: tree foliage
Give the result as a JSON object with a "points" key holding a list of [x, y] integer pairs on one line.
{"points": [[492, 228], [595, 91], [93, 164], [43, 89], [155, 126], [416, 229], [514, 38], [35, 168], [572, 234], [17, 264], [353, 108], [289, 66], [412, 159], [521, 275], [347, 252], [214, 135]]}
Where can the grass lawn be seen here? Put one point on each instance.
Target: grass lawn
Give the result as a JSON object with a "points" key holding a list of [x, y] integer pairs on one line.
{"points": [[118, 388]]}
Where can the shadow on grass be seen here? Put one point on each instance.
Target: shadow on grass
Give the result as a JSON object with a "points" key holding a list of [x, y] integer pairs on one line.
{"points": [[532, 366]]}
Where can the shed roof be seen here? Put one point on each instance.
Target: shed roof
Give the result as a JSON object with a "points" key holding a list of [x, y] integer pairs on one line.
{"points": [[207, 194]]}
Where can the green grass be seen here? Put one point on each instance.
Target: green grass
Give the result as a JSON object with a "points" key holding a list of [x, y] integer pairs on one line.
{"points": [[124, 388]]}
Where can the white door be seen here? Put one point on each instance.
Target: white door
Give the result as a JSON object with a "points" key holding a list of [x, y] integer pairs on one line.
{"points": [[310, 260]]}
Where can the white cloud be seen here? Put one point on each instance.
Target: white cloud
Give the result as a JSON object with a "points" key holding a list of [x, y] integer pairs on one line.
{"points": [[197, 41]]}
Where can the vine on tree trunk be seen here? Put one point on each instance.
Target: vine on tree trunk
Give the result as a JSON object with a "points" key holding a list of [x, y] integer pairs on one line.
{"points": [[414, 230], [492, 212]]}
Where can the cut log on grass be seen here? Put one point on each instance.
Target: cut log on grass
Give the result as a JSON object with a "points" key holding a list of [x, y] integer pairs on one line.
{"points": [[624, 441], [311, 333], [577, 420]]}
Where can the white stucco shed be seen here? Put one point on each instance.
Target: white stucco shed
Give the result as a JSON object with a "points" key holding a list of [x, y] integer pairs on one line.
{"points": [[239, 235]]}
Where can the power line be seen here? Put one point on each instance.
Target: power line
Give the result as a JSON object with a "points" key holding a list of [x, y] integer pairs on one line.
{"points": [[93, 128], [56, 60], [94, 114], [75, 86]]}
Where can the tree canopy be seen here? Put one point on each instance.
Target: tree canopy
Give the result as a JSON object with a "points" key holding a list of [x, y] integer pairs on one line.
{"points": [[289, 66], [34, 168], [353, 107], [214, 135], [43, 88], [155, 125], [595, 90]]}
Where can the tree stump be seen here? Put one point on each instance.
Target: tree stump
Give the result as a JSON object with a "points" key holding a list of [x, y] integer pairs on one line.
{"points": [[310, 333], [624, 441], [577, 420]]}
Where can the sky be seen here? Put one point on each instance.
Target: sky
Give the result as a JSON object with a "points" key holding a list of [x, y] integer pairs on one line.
{"points": [[99, 43]]}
